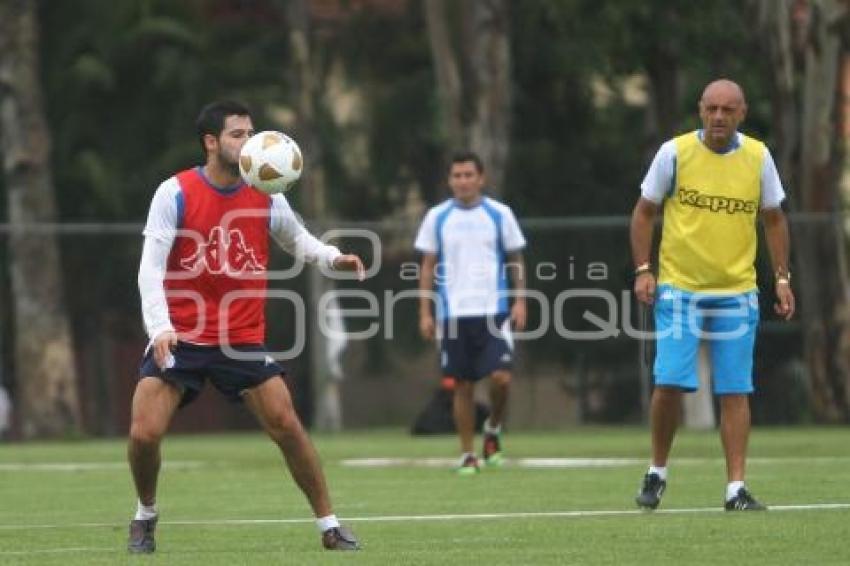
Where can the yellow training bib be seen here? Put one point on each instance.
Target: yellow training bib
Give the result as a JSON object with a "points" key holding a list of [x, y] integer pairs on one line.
{"points": [[708, 243]]}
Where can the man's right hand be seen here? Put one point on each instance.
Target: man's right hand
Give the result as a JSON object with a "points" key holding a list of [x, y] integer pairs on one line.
{"points": [[426, 326], [163, 345], [645, 287]]}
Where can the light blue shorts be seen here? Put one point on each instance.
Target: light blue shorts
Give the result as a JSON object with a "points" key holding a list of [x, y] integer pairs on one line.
{"points": [[727, 323]]}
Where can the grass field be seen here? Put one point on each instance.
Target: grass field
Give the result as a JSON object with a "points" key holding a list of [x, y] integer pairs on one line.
{"points": [[227, 500]]}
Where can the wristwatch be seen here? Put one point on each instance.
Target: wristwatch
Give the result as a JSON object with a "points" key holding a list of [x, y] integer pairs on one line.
{"points": [[645, 267]]}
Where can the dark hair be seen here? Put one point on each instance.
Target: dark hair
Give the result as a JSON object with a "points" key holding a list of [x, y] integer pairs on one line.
{"points": [[465, 157], [212, 117]]}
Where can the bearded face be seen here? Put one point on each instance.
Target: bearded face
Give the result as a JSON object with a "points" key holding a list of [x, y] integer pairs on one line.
{"points": [[237, 130]]}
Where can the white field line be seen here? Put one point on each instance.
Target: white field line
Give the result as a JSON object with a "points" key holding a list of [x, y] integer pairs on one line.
{"points": [[445, 517], [562, 463], [56, 550], [89, 466], [392, 462]]}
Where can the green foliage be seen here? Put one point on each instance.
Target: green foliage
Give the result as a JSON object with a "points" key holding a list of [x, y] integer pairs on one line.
{"points": [[124, 81], [572, 155]]}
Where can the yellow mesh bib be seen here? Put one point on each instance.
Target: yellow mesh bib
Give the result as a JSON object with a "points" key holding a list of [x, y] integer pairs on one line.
{"points": [[709, 237]]}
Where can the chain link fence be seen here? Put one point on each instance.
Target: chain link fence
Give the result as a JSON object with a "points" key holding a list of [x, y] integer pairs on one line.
{"points": [[579, 361]]}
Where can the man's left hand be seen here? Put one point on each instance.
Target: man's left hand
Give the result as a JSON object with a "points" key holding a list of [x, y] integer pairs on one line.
{"points": [[518, 315], [350, 262], [784, 306]]}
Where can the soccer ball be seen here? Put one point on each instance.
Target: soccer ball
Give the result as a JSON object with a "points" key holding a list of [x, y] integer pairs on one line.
{"points": [[271, 161]]}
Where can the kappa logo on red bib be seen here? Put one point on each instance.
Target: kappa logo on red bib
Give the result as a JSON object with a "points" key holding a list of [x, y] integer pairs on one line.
{"points": [[224, 254]]}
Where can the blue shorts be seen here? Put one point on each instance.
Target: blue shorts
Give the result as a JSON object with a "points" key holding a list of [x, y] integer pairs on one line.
{"points": [[727, 323], [193, 364], [476, 346]]}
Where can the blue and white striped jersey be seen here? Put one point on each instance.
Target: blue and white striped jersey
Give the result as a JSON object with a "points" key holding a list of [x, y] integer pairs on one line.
{"points": [[471, 244]]}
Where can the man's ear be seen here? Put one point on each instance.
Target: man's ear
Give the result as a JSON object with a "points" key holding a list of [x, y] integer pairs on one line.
{"points": [[210, 142]]}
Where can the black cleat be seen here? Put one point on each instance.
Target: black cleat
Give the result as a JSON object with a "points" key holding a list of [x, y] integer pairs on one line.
{"points": [[141, 539], [339, 538], [744, 501], [651, 491]]}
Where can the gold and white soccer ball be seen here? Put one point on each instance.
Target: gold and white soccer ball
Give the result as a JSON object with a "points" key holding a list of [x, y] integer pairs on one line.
{"points": [[271, 161]]}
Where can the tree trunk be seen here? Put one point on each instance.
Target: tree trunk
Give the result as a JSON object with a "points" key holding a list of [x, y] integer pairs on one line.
{"points": [[804, 42], [45, 370], [821, 248], [327, 408], [474, 81], [490, 62], [663, 70], [772, 20], [449, 90]]}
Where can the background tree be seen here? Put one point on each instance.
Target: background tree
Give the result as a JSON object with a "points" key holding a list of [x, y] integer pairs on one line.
{"points": [[805, 42], [307, 85], [470, 46], [44, 363]]}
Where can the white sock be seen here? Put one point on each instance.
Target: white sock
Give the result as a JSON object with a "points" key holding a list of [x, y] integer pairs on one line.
{"points": [[732, 489], [325, 523], [145, 512], [661, 471], [491, 429]]}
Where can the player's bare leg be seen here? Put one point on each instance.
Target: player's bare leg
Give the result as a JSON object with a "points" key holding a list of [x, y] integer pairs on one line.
{"points": [[664, 417], [735, 432], [271, 403], [500, 381], [463, 410], [154, 403], [665, 413]]}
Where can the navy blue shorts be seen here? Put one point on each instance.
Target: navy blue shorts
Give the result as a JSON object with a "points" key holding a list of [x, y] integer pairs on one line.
{"points": [[476, 348], [194, 364]]}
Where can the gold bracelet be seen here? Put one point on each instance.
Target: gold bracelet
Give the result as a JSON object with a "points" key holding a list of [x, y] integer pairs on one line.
{"points": [[785, 280]]}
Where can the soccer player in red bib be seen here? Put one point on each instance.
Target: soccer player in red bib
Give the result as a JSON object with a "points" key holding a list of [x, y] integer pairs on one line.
{"points": [[202, 280]]}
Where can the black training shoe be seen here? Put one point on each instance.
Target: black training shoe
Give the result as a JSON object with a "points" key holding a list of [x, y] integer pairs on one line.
{"points": [[339, 538], [744, 501], [651, 491], [141, 536]]}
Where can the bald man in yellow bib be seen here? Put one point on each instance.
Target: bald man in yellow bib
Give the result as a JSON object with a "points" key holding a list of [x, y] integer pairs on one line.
{"points": [[711, 185]]}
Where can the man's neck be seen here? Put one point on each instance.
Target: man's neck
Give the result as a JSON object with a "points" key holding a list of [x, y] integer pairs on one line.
{"points": [[219, 176], [719, 146], [469, 202]]}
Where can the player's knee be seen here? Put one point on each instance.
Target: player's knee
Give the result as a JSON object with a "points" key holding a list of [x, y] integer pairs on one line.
{"points": [[144, 431], [464, 388], [501, 377], [284, 424]]}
